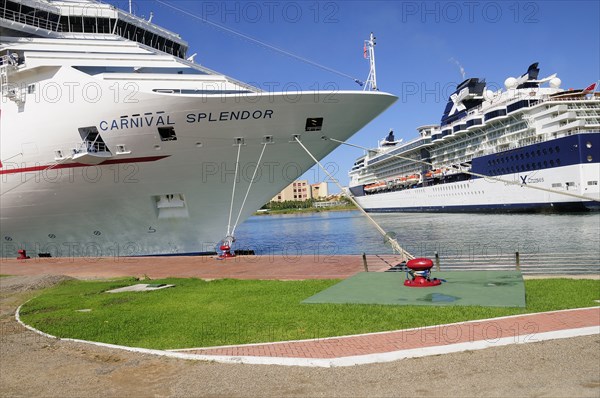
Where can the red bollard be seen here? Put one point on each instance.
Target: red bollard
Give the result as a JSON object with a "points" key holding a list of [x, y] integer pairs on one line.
{"points": [[226, 249], [22, 255], [420, 271]]}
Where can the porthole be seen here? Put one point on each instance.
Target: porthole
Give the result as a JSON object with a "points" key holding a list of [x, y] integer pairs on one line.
{"points": [[557, 148], [8, 238], [589, 158], [51, 236], [97, 233], [588, 145]]}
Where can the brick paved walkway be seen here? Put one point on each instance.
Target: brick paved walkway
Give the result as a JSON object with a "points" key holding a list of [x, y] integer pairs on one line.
{"points": [[385, 346], [243, 267]]}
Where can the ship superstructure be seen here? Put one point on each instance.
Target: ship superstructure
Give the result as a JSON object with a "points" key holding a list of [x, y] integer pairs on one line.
{"points": [[114, 143], [533, 133]]}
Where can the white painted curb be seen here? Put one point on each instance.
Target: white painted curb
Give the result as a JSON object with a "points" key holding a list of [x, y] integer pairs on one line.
{"points": [[345, 361]]}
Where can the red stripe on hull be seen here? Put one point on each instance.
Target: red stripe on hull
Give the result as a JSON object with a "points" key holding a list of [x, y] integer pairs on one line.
{"points": [[75, 165]]}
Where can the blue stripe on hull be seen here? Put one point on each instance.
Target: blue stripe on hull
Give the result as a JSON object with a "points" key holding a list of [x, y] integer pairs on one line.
{"points": [[497, 208]]}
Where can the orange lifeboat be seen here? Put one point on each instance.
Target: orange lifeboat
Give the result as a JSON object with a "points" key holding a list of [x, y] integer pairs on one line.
{"points": [[412, 179]]}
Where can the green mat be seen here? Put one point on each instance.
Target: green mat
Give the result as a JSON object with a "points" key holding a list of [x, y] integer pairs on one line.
{"points": [[483, 288]]}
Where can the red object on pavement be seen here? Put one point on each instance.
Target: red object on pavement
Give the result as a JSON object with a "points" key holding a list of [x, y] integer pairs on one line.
{"points": [[420, 272]]}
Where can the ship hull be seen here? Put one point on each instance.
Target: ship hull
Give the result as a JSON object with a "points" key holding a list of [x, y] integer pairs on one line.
{"points": [[490, 196], [115, 208]]}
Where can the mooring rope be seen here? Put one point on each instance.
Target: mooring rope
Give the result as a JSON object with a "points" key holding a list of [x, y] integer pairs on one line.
{"points": [[237, 166], [237, 220], [508, 182], [393, 242], [262, 43]]}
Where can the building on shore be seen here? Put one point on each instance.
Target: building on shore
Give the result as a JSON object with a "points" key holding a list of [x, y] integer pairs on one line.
{"points": [[301, 190]]}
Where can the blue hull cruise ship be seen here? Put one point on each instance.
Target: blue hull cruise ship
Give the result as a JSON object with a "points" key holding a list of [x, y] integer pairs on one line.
{"points": [[532, 147]]}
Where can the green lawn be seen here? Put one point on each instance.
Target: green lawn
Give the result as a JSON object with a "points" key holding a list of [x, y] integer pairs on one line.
{"points": [[197, 313]]}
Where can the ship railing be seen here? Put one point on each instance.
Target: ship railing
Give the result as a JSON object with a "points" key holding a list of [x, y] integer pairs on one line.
{"points": [[31, 20], [530, 263], [9, 60], [91, 147]]}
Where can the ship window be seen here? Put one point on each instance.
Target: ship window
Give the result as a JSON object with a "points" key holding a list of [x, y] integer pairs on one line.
{"points": [[588, 144], [545, 163], [167, 133], [557, 185], [522, 156], [527, 155], [532, 154], [551, 162], [539, 153], [551, 150], [314, 124], [31, 89], [592, 183], [570, 184], [557, 149], [540, 165], [558, 162], [544, 151], [589, 158]]}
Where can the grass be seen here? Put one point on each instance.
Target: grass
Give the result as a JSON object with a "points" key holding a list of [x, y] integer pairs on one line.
{"points": [[197, 313], [4, 276]]}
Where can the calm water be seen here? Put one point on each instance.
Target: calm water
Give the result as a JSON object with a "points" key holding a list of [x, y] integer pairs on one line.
{"points": [[451, 235]]}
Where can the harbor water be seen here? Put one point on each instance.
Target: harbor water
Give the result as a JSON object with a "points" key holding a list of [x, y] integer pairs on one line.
{"points": [[544, 242]]}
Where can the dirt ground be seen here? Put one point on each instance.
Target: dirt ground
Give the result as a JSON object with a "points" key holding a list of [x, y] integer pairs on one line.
{"points": [[34, 366]]}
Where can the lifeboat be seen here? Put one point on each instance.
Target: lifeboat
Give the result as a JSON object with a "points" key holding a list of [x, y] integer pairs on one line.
{"points": [[429, 174], [370, 187], [438, 173], [412, 179]]}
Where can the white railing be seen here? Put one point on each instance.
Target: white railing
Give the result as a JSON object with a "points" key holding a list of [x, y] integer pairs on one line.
{"points": [[31, 20]]}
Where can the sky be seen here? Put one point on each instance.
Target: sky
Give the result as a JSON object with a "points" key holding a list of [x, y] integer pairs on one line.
{"points": [[421, 48]]}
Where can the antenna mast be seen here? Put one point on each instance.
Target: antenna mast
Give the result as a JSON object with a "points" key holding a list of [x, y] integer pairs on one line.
{"points": [[369, 53]]}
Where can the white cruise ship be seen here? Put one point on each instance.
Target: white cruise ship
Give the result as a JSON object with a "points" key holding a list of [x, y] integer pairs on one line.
{"points": [[530, 148], [113, 143]]}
